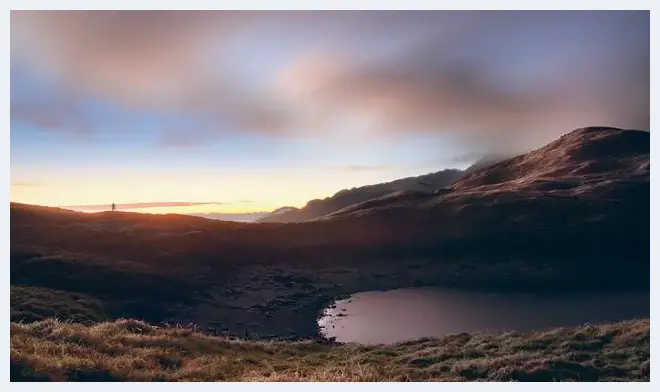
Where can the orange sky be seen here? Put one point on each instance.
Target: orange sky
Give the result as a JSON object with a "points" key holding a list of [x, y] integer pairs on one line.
{"points": [[236, 191]]}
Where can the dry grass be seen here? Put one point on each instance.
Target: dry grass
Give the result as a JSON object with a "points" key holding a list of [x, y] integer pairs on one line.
{"points": [[129, 350]]}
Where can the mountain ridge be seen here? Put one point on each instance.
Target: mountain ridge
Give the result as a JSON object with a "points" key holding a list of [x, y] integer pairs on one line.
{"points": [[347, 197], [568, 163]]}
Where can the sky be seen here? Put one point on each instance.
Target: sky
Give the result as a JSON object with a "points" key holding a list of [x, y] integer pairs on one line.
{"points": [[240, 111]]}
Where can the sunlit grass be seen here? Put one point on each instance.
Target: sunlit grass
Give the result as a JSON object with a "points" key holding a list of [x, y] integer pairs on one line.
{"points": [[129, 350]]}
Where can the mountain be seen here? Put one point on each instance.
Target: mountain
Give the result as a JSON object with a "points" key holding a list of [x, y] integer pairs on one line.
{"points": [[347, 197], [587, 162], [580, 203]]}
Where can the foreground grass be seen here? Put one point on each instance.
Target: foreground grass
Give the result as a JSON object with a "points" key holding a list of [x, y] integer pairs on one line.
{"points": [[129, 350]]}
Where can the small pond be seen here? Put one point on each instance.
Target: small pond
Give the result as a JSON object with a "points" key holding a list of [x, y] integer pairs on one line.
{"points": [[385, 317]]}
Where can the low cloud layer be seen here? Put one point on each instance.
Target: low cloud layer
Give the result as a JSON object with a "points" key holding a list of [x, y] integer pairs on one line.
{"points": [[133, 206], [362, 168], [495, 80], [233, 217], [24, 184]]}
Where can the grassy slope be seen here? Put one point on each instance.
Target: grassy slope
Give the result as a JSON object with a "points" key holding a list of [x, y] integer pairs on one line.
{"points": [[128, 350]]}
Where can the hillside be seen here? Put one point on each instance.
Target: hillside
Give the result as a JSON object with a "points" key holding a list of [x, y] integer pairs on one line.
{"points": [[129, 350], [572, 215], [578, 159]]}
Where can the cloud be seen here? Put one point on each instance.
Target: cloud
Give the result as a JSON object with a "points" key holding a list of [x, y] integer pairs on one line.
{"points": [[137, 57], [132, 206], [360, 168], [494, 79], [469, 157], [59, 116], [433, 87], [178, 139], [25, 184]]}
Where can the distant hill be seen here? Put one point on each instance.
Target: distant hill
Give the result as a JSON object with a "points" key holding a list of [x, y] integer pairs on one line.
{"points": [[231, 217], [347, 197]]}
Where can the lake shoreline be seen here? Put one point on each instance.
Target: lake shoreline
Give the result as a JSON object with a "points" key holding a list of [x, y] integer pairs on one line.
{"points": [[284, 300], [291, 312]]}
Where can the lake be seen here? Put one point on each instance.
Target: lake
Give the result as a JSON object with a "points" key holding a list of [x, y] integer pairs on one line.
{"points": [[385, 317]]}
